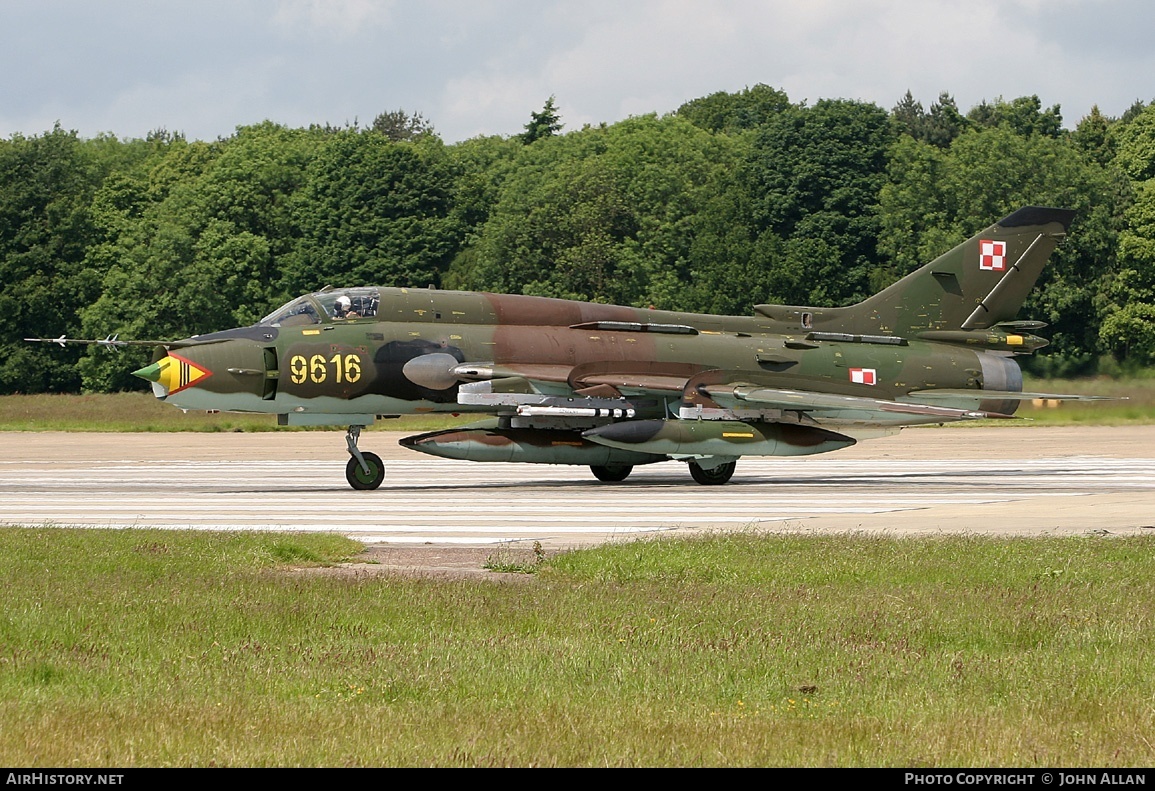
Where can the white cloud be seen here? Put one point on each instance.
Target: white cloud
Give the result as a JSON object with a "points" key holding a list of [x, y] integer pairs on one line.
{"points": [[338, 18], [481, 67]]}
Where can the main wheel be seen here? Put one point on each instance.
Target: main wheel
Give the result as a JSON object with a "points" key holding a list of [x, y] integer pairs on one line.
{"points": [[714, 476], [358, 478], [612, 472]]}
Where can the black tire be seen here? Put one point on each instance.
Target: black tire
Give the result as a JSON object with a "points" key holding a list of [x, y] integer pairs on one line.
{"points": [[612, 473], [357, 477], [716, 476]]}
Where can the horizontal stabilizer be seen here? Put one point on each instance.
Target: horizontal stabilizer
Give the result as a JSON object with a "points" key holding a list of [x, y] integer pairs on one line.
{"points": [[1007, 395], [809, 402]]}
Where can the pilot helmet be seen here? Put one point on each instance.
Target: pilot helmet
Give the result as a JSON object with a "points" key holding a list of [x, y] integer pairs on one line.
{"points": [[343, 304]]}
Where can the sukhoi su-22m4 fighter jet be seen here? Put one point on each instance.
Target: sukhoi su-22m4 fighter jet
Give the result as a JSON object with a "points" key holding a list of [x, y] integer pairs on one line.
{"points": [[612, 387]]}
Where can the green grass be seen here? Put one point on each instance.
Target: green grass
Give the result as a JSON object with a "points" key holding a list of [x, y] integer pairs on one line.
{"points": [[152, 648], [511, 561], [131, 412], [1139, 406]]}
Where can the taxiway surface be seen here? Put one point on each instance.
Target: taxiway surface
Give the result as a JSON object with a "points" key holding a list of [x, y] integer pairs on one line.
{"points": [[990, 481]]}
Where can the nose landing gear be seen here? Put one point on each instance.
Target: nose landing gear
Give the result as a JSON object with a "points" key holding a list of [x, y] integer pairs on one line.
{"points": [[364, 470]]}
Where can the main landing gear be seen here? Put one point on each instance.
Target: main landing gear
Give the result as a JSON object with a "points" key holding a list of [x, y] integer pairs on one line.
{"points": [[707, 476], [612, 473], [365, 470], [714, 476]]}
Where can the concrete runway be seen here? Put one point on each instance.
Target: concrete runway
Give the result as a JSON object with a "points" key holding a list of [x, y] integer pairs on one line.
{"points": [[988, 481]]}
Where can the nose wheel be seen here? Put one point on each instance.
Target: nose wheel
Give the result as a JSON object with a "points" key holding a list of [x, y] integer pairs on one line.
{"points": [[364, 470], [367, 473]]}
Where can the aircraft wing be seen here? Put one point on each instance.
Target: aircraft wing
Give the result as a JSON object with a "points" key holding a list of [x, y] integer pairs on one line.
{"points": [[642, 377], [743, 396]]}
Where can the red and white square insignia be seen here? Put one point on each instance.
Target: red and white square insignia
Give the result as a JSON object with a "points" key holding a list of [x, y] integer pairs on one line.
{"points": [[863, 376], [992, 255]]}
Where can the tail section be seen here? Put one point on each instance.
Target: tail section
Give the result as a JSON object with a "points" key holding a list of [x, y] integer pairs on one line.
{"points": [[980, 283]]}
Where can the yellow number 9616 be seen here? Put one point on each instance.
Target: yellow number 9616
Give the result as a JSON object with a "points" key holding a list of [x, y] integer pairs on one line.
{"points": [[343, 368]]}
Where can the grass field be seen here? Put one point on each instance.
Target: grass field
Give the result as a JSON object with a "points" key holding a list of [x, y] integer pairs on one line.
{"points": [[147, 648], [1136, 402], [142, 412]]}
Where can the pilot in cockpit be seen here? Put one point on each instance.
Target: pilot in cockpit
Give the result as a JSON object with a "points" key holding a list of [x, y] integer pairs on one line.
{"points": [[344, 309]]}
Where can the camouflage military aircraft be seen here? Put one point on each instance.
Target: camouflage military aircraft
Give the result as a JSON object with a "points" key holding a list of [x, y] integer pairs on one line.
{"points": [[611, 387]]}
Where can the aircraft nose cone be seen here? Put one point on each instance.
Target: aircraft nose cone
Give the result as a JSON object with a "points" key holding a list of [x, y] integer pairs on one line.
{"points": [[150, 373], [172, 374]]}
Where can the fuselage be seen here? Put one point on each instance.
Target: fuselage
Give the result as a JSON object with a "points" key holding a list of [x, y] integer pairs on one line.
{"points": [[400, 351]]}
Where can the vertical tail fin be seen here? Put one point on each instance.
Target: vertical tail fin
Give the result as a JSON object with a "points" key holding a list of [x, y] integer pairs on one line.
{"points": [[979, 283]]}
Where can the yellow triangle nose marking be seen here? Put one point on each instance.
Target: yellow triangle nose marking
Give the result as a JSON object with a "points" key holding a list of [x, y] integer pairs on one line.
{"points": [[177, 373]]}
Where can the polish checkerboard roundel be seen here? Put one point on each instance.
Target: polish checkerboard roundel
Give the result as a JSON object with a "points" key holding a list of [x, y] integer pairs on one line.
{"points": [[992, 255]]}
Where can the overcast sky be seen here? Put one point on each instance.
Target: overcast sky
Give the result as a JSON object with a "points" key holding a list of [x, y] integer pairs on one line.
{"points": [[480, 67]]}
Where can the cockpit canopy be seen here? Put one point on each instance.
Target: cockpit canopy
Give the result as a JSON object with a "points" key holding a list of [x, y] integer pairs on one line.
{"points": [[323, 307]]}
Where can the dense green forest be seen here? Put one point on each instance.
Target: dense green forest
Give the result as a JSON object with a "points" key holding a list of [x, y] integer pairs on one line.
{"points": [[732, 200]]}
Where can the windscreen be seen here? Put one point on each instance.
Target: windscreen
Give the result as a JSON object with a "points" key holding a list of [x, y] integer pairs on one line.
{"points": [[298, 312]]}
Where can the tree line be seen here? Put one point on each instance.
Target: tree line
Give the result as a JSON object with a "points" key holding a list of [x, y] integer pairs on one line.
{"points": [[734, 199]]}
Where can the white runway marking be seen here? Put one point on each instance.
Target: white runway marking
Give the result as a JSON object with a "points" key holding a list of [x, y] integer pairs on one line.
{"points": [[443, 501]]}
